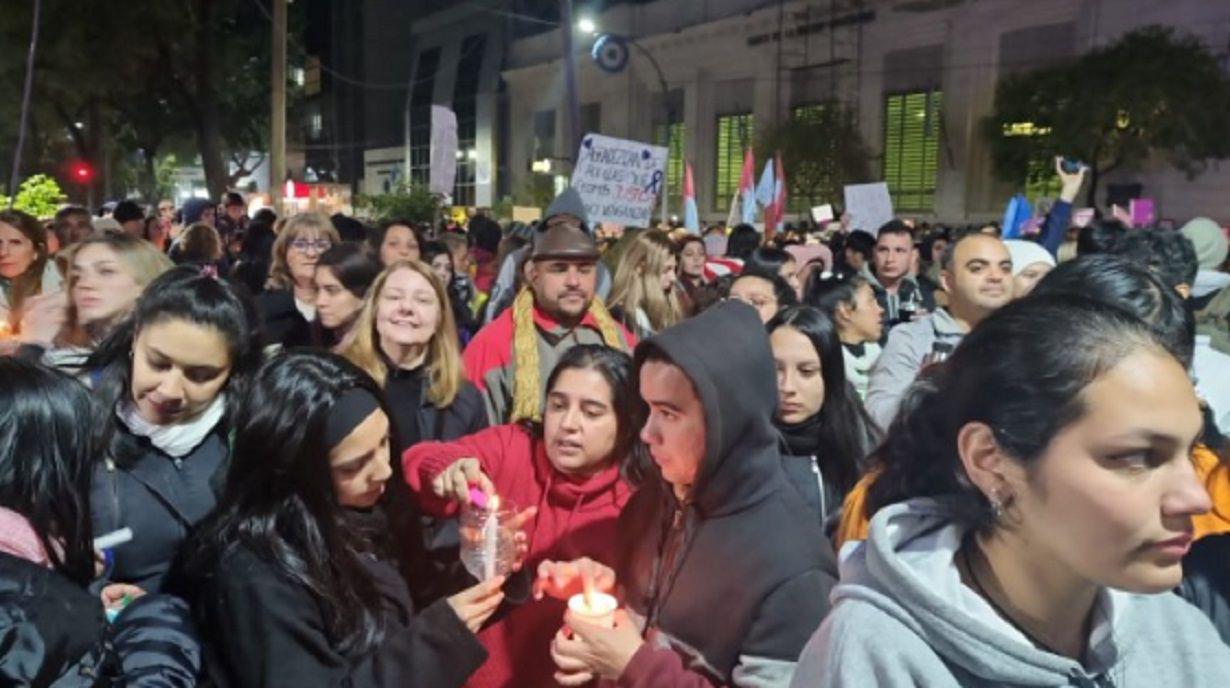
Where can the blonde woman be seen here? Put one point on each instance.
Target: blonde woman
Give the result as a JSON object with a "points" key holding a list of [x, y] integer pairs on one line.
{"points": [[106, 274], [406, 339], [288, 304], [645, 293]]}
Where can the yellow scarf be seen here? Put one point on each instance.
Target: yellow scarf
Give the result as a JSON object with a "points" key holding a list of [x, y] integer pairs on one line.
{"points": [[526, 401]]}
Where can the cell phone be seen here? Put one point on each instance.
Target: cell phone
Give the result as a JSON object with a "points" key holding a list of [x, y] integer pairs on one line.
{"points": [[1070, 166]]}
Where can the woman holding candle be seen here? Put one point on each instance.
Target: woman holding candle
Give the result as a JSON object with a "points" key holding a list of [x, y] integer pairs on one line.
{"points": [[570, 469], [295, 581], [25, 268], [166, 378], [1031, 537]]}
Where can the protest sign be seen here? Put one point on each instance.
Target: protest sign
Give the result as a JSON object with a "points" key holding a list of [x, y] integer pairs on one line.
{"points": [[443, 150], [822, 213], [619, 180], [1081, 217], [1142, 212], [526, 214], [869, 206]]}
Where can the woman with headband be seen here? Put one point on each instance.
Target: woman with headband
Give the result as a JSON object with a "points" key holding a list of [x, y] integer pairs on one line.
{"points": [[294, 581]]}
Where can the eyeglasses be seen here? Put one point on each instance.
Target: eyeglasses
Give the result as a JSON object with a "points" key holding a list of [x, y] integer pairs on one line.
{"points": [[302, 245]]}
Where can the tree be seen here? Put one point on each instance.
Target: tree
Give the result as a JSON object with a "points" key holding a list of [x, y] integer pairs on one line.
{"points": [[822, 150], [1154, 92], [39, 196], [407, 201]]}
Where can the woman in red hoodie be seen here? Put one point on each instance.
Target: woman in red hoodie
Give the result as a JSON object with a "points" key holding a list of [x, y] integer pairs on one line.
{"points": [[572, 468]]}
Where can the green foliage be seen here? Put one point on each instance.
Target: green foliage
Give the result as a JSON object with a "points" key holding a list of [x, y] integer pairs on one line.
{"points": [[1153, 93], [537, 191], [39, 196], [408, 200], [822, 151]]}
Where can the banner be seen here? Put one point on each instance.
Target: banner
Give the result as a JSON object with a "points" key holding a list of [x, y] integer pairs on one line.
{"points": [[619, 180], [869, 206], [443, 150]]}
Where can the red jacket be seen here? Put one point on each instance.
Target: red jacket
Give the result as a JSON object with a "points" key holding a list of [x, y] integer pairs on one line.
{"points": [[575, 519]]}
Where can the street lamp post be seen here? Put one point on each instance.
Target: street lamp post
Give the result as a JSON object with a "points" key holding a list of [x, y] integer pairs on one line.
{"points": [[615, 63]]}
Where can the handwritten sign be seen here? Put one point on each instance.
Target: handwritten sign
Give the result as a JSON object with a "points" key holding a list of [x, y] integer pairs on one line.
{"points": [[869, 206], [443, 150], [619, 180], [822, 213]]}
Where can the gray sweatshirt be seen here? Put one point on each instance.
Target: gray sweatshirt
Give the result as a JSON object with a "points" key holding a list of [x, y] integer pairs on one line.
{"points": [[903, 356], [902, 617]]}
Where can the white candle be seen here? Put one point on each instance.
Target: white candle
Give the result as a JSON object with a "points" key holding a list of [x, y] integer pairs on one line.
{"points": [[491, 538], [597, 608]]}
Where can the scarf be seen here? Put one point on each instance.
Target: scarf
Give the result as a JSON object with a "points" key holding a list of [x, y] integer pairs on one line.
{"points": [[802, 439], [18, 538], [526, 395], [179, 439]]}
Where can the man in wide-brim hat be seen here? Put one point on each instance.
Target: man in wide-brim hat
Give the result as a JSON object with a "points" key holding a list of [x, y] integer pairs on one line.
{"points": [[510, 359]]}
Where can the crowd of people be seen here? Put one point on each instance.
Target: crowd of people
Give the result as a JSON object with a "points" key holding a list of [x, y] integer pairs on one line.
{"points": [[239, 451]]}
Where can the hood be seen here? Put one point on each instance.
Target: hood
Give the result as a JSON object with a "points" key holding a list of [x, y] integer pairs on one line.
{"points": [[907, 568], [870, 276], [725, 352], [1209, 241], [1026, 253], [1208, 282]]}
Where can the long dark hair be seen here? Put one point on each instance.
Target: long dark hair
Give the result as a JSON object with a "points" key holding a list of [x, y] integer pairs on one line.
{"points": [[279, 499], [1021, 372], [45, 461], [182, 293], [847, 433], [615, 367], [353, 264]]}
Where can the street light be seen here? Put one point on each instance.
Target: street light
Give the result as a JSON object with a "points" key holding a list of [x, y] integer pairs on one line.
{"points": [[587, 26]]}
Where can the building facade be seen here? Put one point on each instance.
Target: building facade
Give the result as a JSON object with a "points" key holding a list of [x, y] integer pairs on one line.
{"points": [[919, 74]]}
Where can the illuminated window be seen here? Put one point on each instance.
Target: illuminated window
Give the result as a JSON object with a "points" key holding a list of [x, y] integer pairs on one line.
{"points": [[734, 136], [911, 147]]}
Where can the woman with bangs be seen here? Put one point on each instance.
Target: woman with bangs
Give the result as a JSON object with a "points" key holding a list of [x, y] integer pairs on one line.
{"points": [[288, 304]]}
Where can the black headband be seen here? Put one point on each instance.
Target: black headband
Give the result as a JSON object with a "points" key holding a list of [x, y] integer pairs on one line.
{"points": [[354, 406]]}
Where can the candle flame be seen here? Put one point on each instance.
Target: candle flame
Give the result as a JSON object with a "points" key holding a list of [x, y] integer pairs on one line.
{"points": [[493, 503]]}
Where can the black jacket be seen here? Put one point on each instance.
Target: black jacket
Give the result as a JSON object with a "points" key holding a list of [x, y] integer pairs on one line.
{"points": [[263, 629], [1206, 580], [160, 498], [820, 493], [52, 630], [738, 578], [282, 323]]}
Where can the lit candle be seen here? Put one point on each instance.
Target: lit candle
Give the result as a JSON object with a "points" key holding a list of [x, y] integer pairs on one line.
{"points": [[491, 537], [597, 608]]}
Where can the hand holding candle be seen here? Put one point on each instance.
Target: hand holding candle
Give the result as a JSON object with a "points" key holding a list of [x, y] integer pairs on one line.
{"points": [[597, 608], [594, 650], [460, 480], [563, 579]]}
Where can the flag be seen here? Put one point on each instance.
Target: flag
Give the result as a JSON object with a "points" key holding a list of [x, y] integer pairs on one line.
{"points": [[691, 217], [745, 198], [1015, 215], [779, 200], [766, 190]]}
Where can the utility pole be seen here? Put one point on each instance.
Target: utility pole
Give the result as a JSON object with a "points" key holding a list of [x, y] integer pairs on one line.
{"points": [[570, 80], [277, 119]]}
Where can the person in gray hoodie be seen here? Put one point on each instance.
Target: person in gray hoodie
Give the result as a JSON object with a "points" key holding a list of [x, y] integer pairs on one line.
{"points": [[1030, 538], [977, 275]]}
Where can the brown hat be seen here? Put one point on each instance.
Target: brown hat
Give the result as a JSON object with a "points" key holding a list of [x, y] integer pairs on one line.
{"points": [[563, 237]]}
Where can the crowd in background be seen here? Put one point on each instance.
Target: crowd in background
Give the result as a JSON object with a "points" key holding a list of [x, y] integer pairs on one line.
{"points": [[1018, 447]]}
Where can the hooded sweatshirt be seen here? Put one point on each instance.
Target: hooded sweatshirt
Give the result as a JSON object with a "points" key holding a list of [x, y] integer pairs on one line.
{"points": [[908, 348], [729, 585], [576, 518], [902, 617]]}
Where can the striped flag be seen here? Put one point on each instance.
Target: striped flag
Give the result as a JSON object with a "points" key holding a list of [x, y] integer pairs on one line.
{"points": [[691, 217]]}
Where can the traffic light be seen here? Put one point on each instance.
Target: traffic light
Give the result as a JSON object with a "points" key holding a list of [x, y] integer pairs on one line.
{"points": [[81, 172]]}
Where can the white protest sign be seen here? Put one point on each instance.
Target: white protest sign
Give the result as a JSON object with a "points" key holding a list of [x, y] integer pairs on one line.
{"points": [[869, 206], [822, 213], [443, 150], [619, 180]]}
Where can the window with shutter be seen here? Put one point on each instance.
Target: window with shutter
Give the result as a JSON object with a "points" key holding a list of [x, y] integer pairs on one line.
{"points": [[911, 148], [734, 136]]}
